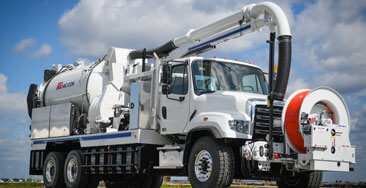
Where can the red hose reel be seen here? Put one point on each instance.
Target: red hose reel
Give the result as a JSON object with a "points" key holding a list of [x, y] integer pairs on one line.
{"points": [[307, 101]]}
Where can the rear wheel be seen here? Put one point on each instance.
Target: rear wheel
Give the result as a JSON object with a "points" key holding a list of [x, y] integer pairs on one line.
{"points": [[311, 179], [53, 176], [211, 164], [74, 175]]}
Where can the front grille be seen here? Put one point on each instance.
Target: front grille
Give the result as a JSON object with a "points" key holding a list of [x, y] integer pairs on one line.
{"points": [[261, 122]]}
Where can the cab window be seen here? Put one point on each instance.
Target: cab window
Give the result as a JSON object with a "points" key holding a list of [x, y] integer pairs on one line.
{"points": [[179, 83]]}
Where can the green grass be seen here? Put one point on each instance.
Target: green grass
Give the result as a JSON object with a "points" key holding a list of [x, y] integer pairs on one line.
{"points": [[21, 185], [174, 186]]}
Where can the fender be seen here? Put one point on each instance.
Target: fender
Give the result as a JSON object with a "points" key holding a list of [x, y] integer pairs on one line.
{"points": [[213, 130], [217, 124]]}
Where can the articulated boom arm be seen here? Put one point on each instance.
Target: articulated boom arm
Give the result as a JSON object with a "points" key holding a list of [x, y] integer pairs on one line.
{"points": [[249, 19], [245, 21]]}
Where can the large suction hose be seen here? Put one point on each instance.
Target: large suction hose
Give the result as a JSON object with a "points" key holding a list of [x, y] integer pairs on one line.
{"points": [[284, 66], [247, 15], [160, 51]]}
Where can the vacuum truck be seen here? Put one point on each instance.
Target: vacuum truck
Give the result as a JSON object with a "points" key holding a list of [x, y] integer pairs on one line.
{"points": [[135, 116]]}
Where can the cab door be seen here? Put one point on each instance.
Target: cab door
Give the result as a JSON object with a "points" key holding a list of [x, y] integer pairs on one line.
{"points": [[174, 106]]}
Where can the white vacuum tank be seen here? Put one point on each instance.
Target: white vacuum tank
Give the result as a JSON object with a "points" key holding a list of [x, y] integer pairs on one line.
{"points": [[75, 83]]}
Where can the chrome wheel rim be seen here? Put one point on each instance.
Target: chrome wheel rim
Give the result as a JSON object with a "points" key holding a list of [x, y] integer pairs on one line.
{"points": [[50, 170], [203, 166], [72, 170]]}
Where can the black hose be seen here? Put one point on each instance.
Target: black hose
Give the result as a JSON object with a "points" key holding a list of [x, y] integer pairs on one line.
{"points": [[284, 66], [143, 59], [31, 98], [160, 51]]}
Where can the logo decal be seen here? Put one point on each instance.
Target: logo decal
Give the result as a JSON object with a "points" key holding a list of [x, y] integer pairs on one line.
{"points": [[61, 85]]}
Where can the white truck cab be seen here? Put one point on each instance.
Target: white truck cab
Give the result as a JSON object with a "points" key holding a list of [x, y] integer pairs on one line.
{"points": [[214, 94]]}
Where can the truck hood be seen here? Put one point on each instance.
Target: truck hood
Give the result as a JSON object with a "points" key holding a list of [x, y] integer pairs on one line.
{"points": [[231, 102]]}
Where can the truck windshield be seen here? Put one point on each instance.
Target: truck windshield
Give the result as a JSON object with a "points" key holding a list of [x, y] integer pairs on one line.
{"points": [[210, 76]]}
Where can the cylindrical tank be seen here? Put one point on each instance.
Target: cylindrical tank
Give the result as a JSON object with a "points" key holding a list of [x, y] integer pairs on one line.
{"points": [[78, 84]]}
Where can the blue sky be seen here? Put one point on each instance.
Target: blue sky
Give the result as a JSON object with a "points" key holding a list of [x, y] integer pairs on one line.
{"points": [[328, 49]]}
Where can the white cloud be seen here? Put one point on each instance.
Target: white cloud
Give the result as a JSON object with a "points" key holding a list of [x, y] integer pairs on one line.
{"points": [[361, 93], [21, 46], [3, 87], [331, 44], [297, 84], [91, 27], [10, 101], [14, 122], [16, 149], [43, 51]]}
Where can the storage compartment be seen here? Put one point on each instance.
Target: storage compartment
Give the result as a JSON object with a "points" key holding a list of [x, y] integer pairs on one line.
{"points": [[52, 121], [60, 120], [140, 105], [40, 122]]}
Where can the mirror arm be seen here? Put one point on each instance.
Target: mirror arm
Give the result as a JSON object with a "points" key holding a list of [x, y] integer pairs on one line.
{"points": [[181, 99]]}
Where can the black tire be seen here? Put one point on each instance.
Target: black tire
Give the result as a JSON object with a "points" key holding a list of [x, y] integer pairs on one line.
{"points": [[223, 164], [311, 179], [157, 181], [145, 181], [56, 175], [78, 176]]}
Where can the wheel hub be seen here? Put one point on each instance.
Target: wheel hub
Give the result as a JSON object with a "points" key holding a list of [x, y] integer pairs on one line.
{"points": [[50, 170], [72, 170], [203, 165]]}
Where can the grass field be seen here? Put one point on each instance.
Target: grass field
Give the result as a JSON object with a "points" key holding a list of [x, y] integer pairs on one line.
{"points": [[21, 185]]}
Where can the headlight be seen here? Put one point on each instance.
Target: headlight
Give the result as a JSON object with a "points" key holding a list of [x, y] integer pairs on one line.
{"points": [[239, 125]]}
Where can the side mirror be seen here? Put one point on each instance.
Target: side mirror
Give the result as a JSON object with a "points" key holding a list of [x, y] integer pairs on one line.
{"points": [[167, 74], [166, 89]]}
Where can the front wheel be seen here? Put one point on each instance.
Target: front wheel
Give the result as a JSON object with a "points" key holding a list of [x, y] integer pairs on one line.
{"points": [[310, 179], [211, 164]]}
